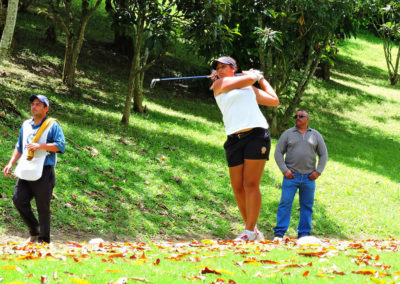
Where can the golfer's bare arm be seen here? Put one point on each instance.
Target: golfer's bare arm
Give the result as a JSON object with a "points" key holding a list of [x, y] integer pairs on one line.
{"points": [[226, 84], [14, 158], [266, 96]]}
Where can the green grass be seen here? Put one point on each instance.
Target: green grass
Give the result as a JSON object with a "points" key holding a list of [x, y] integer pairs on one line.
{"points": [[165, 174]]}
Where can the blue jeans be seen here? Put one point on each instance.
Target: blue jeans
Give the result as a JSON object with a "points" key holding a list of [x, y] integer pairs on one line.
{"points": [[306, 188]]}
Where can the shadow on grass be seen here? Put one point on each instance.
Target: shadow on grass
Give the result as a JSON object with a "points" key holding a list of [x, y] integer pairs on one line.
{"points": [[158, 184], [362, 147], [346, 64]]}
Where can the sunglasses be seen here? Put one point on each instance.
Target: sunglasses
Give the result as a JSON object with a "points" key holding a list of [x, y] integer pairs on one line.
{"points": [[299, 116]]}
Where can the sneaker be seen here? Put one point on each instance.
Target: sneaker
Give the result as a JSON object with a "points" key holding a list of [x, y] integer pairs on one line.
{"points": [[278, 239], [246, 235], [309, 240], [259, 235], [32, 239]]}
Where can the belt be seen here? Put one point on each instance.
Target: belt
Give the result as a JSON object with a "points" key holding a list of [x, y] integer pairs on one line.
{"points": [[241, 135]]}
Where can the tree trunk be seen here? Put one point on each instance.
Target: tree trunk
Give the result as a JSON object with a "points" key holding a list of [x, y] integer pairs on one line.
{"points": [[8, 32], [397, 61], [51, 32], [69, 51], [134, 71], [395, 77], [73, 43], [388, 56], [73, 54], [138, 95]]}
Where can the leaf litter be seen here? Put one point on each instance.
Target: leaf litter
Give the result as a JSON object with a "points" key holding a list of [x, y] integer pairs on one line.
{"points": [[253, 260]]}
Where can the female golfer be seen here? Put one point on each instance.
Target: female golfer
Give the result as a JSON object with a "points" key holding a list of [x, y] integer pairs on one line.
{"points": [[248, 142]]}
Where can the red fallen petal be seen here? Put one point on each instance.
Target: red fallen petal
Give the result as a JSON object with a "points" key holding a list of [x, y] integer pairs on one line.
{"points": [[306, 273]]}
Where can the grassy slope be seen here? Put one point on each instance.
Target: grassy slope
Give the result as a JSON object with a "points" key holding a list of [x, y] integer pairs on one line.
{"points": [[165, 173]]}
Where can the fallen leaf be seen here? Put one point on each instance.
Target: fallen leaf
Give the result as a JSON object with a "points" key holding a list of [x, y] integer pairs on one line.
{"points": [[268, 261], [258, 275], [338, 272], [313, 254], [117, 255], [12, 267], [206, 270], [379, 281], [157, 262], [364, 272], [177, 179], [325, 276], [138, 279], [305, 274], [196, 277], [79, 281]]}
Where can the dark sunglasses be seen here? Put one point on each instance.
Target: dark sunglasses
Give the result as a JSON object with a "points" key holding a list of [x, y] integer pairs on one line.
{"points": [[299, 116]]}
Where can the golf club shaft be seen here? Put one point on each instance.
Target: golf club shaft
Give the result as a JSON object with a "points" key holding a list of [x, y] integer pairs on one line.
{"points": [[154, 81], [184, 78]]}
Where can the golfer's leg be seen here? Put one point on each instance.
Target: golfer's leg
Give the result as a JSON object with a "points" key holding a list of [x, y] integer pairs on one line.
{"points": [[252, 173], [43, 190], [289, 188], [306, 196], [22, 201], [236, 174]]}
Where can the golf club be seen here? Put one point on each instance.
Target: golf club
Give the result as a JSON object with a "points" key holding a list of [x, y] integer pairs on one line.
{"points": [[154, 81]]}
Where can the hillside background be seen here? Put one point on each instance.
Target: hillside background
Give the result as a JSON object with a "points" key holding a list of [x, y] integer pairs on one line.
{"points": [[164, 175]]}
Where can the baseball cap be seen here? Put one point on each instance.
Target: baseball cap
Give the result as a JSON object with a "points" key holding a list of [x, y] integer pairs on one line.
{"points": [[41, 98], [224, 60]]}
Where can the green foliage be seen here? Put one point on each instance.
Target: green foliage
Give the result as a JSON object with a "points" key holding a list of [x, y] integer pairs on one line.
{"points": [[287, 40], [208, 29], [160, 24]]}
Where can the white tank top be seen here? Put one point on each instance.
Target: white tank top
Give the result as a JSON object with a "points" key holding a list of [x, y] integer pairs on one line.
{"points": [[240, 110]]}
